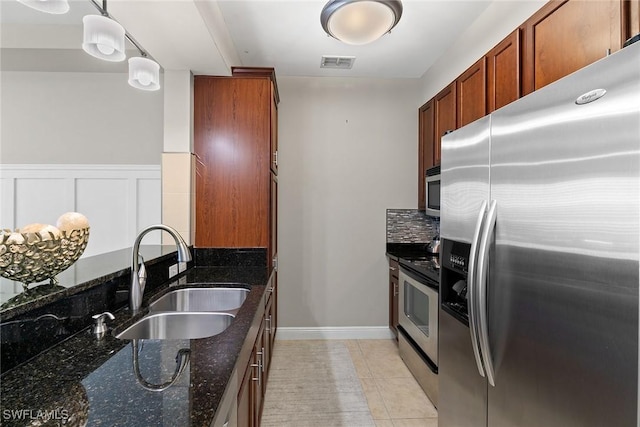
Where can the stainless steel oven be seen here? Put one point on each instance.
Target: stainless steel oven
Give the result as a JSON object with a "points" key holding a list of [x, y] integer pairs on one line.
{"points": [[418, 329], [418, 312]]}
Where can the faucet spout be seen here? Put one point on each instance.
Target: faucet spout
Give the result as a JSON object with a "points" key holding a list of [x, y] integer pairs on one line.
{"points": [[136, 290]]}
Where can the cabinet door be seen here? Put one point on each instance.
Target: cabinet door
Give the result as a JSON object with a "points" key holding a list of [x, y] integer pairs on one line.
{"points": [[270, 315], [503, 72], [258, 379], [393, 296], [267, 342], [231, 138], [245, 404], [445, 117], [273, 219], [274, 131], [632, 17], [472, 93], [426, 146], [273, 313], [564, 36]]}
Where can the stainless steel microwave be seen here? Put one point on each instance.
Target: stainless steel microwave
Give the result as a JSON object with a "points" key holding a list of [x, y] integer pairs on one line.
{"points": [[432, 189]]}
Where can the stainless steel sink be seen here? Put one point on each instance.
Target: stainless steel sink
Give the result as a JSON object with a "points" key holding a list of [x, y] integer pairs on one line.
{"points": [[177, 325], [200, 299]]}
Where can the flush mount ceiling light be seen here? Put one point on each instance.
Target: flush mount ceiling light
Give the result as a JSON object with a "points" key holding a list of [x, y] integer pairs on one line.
{"points": [[56, 7], [103, 38], [144, 73], [360, 22]]}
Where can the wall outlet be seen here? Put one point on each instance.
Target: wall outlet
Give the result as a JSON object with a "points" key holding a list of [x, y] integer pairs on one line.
{"points": [[182, 266], [173, 270]]}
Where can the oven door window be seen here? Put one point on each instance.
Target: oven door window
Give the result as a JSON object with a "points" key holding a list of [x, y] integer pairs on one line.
{"points": [[416, 307]]}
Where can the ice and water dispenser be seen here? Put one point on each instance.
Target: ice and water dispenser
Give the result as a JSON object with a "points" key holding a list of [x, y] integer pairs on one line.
{"points": [[453, 279]]}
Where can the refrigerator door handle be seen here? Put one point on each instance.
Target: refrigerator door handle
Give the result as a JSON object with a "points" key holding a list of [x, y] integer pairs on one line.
{"points": [[471, 288], [483, 263]]}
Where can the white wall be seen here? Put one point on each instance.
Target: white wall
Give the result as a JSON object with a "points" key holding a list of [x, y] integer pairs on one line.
{"points": [[495, 23], [118, 200], [81, 141], [78, 118], [347, 152]]}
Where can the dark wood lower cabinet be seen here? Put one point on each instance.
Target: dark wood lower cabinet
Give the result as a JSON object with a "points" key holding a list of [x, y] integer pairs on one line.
{"points": [[394, 290], [245, 404], [253, 385]]}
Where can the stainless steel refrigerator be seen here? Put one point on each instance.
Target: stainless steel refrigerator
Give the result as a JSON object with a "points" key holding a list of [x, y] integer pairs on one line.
{"points": [[540, 236]]}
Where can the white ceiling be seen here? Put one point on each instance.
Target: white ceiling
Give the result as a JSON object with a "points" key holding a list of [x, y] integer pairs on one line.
{"points": [[209, 36], [288, 35]]}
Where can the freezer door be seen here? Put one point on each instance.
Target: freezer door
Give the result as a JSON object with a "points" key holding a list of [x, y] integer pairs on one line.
{"points": [[563, 272], [464, 179], [462, 399]]}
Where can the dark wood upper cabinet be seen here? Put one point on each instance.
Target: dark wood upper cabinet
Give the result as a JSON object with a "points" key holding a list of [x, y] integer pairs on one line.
{"points": [[274, 130], [560, 38], [426, 138], [269, 73], [232, 139], [445, 117], [471, 92], [564, 36], [631, 11], [503, 72]]}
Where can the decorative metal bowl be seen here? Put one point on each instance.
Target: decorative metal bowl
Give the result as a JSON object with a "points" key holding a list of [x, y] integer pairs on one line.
{"points": [[39, 256]]}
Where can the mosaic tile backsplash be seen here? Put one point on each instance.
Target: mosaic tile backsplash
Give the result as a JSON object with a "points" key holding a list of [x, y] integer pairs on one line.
{"points": [[411, 226]]}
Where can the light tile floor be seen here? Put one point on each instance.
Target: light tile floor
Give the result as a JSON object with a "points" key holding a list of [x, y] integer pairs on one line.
{"points": [[393, 396]]}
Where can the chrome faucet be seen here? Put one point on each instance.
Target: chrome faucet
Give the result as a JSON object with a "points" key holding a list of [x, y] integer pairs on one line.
{"points": [[137, 288]]}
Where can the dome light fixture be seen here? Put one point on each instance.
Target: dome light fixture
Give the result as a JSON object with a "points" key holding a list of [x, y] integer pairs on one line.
{"points": [[359, 22], [144, 73], [103, 38], [56, 7]]}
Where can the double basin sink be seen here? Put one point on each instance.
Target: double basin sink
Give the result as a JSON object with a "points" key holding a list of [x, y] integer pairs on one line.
{"points": [[189, 313]]}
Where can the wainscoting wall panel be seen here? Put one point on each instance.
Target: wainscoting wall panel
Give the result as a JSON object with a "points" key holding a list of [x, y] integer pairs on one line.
{"points": [[118, 200]]}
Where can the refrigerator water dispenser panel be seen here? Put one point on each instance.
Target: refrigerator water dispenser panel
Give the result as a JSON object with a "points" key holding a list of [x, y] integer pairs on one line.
{"points": [[453, 286]]}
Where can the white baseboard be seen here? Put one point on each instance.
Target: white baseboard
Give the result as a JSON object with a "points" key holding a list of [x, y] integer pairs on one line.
{"points": [[335, 333]]}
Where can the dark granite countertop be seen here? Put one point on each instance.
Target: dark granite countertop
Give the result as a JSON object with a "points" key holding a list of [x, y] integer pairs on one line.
{"points": [[86, 381], [416, 257]]}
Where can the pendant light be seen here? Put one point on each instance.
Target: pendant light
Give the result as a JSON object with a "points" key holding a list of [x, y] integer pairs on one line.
{"points": [[144, 73], [360, 22], [56, 7], [103, 38]]}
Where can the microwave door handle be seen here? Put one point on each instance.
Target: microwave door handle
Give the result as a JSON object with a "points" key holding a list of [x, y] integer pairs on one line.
{"points": [[483, 263], [471, 289]]}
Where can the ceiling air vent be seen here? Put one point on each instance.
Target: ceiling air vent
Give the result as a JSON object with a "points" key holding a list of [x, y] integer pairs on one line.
{"points": [[340, 62]]}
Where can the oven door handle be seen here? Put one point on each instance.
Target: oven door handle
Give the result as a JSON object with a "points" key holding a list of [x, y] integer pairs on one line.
{"points": [[471, 289], [483, 264]]}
